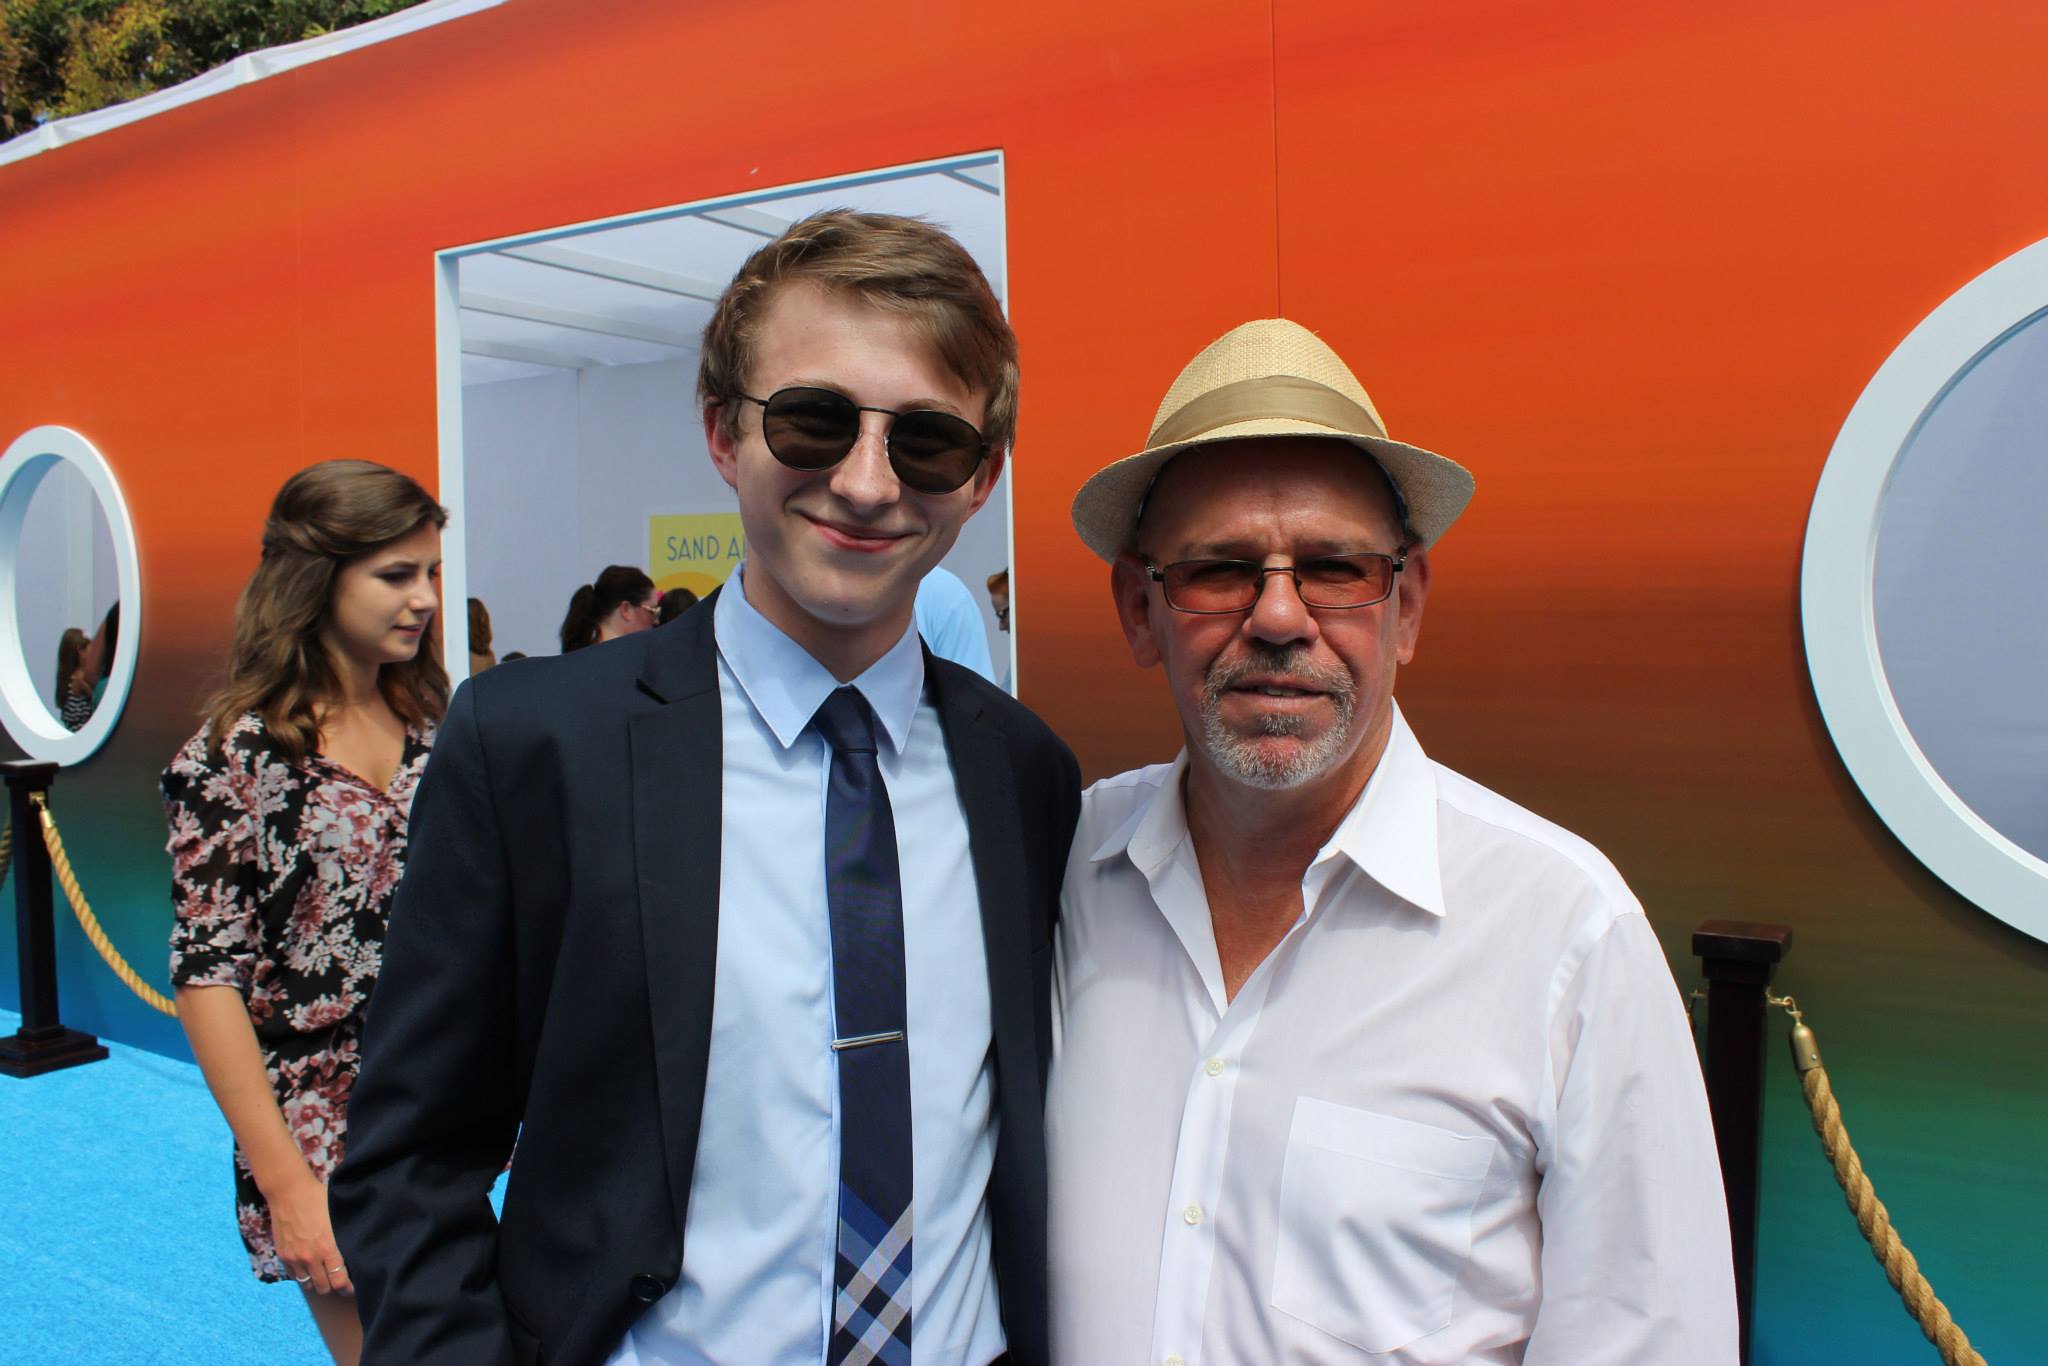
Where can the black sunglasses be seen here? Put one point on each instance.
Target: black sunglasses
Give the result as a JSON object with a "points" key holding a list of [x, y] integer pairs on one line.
{"points": [[813, 429]]}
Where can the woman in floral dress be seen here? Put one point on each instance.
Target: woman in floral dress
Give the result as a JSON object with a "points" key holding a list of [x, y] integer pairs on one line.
{"points": [[287, 817]]}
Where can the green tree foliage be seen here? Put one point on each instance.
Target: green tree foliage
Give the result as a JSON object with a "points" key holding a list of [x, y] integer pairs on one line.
{"points": [[60, 57]]}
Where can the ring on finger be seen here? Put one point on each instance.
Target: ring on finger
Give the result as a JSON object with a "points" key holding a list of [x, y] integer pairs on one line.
{"points": [[337, 1270], [303, 1279]]}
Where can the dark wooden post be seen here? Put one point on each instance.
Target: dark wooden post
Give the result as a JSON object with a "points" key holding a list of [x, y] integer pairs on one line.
{"points": [[44, 1044], [1738, 958]]}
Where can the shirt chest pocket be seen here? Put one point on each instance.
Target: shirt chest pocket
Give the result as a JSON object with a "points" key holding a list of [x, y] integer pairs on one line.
{"points": [[1375, 1223]]}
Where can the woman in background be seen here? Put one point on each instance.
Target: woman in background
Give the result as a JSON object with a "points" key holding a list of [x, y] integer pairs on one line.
{"points": [[674, 603], [80, 687], [480, 656], [74, 693], [287, 838], [621, 602]]}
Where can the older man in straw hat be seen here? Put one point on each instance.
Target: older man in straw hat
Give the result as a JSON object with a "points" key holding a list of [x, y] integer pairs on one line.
{"points": [[1355, 1060]]}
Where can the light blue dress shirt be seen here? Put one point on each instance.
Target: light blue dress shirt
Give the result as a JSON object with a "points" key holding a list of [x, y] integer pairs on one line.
{"points": [[756, 1286], [949, 619]]}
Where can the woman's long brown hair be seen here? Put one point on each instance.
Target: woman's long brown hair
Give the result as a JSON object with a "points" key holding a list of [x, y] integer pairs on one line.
{"points": [[323, 517]]}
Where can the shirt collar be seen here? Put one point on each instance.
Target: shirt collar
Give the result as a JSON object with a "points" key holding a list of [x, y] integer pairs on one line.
{"points": [[1156, 828], [1389, 833], [787, 686]]}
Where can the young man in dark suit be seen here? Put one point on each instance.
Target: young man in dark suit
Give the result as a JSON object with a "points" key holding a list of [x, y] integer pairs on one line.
{"points": [[741, 926]]}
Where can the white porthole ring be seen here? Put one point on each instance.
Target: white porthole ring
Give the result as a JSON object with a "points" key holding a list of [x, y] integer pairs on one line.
{"points": [[29, 719], [1838, 598]]}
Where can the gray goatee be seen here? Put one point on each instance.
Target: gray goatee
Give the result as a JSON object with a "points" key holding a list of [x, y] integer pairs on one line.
{"points": [[1247, 760]]}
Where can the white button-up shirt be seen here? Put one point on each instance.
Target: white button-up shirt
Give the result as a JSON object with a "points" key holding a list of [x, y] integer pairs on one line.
{"points": [[1455, 1117]]}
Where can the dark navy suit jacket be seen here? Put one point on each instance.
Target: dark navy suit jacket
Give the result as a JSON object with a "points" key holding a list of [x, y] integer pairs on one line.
{"points": [[548, 975]]}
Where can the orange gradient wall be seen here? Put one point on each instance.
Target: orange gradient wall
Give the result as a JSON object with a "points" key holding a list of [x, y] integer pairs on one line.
{"points": [[1630, 263]]}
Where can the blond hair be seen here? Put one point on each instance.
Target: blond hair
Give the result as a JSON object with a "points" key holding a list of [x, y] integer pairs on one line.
{"points": [[902, 265]]}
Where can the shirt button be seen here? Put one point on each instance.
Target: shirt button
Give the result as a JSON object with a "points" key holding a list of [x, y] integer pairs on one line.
{"points": [[1214, 1067], [1193, 1214]]}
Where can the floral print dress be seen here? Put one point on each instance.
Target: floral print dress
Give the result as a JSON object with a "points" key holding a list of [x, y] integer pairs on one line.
{"points": [[282, 875]]}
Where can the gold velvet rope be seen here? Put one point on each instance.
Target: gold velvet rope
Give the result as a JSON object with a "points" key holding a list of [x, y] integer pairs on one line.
{"points": [[1899, 1266], [6, 849], [87, 921]]}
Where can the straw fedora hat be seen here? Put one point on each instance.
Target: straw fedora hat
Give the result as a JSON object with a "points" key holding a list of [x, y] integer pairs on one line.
{"points": [[1271, 377]]}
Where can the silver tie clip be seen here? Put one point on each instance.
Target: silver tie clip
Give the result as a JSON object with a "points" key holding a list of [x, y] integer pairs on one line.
{"points": [[864, 1040]]}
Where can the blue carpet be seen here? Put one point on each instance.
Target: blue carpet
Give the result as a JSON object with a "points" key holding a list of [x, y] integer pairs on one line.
{"points": [[117, 1225]]}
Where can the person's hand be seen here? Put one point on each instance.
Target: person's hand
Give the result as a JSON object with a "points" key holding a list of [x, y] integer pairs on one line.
{"points": [[305, 1236]]}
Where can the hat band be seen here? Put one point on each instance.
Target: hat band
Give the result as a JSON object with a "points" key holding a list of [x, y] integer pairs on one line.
{"points": [[1265, 398]]}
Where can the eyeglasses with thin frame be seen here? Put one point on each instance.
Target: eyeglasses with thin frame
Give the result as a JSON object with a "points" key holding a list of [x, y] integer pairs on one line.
{"points": [[1332, 582], [814, 429]]}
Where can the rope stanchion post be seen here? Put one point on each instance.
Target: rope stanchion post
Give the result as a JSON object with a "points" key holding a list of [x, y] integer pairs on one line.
{"points": [[43, 1044], [1737, 958]]}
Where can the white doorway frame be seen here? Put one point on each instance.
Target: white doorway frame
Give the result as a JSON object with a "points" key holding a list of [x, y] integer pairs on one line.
{"points": [[448, 368]]}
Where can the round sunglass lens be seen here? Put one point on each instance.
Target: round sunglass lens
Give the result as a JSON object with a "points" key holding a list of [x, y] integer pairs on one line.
{"points": [[809, 429], [934, 452]]}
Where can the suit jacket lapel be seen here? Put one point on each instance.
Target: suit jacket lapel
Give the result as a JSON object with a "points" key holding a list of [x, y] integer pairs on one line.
{"points": [[995, 838], [679, 746]]}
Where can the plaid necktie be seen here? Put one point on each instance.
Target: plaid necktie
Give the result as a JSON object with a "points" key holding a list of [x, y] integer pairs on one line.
{"points": [[863, 890]]}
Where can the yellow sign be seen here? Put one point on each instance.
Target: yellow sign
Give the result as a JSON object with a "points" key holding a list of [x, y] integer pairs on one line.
{"points": [[695, 550]]}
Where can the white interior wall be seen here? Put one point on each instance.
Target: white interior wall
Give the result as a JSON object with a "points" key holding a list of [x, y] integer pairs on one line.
{"points": [[593, 454], [643, 455], [522, 540]]}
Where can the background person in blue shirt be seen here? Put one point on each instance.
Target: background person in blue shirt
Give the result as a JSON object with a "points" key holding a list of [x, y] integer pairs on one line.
{"points": [[951, 624], [620, 932]]}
